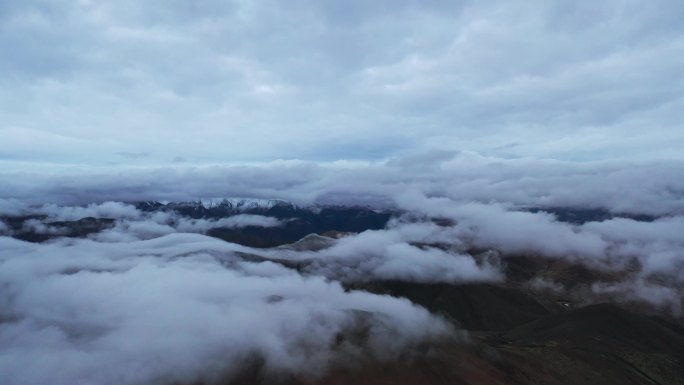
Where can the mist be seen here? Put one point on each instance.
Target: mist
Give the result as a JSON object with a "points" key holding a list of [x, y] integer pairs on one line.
{"points": [[182, 308], [462, 176]]}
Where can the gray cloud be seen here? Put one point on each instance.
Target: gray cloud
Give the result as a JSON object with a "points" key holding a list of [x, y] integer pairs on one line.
{"points": [[133, 155], [183, 312], [162, 223], [462, 176], [4, 229], [109, 209], [12, 206], [404, 251], [38, 227], [466, 111], [229, 81], [132, 224], [149, 279], [425, 252]]}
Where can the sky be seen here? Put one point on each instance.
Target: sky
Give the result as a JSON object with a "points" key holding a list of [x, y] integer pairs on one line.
{"points": [[170, 83], [469, 111]]}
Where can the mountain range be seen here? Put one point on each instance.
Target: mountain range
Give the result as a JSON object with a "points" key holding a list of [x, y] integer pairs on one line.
{"points": [[517, 333]]}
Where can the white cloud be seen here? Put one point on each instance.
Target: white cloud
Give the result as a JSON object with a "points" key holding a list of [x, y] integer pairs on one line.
{"points": [[166, 310], [394, 254], [462, 110], [12, 206], [116, 210], [36, 226], [459, 176], [235, 221], [4, 229], [146, 277]]}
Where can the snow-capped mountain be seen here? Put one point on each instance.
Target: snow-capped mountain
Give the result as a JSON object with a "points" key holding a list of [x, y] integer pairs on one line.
{"points": [[216, 206], [243, 203]]}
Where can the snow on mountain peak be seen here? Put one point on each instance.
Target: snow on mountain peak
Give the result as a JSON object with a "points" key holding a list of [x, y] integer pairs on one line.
{"points": [[239, 203]]}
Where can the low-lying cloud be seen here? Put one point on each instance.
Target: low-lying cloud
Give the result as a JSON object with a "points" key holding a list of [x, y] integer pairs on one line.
{"points": [[163, 223], [404, 251], [653, 188], [178, 309], [165, 303]]}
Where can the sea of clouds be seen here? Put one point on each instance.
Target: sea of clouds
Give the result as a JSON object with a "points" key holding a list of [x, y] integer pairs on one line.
{"points": [[152, 299]]}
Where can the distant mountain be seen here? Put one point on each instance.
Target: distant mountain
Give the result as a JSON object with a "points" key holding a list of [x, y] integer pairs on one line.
{"points": [[218, 208], [39, 228], [297, 222], [580, 216], [517, 334], [601, 344]]}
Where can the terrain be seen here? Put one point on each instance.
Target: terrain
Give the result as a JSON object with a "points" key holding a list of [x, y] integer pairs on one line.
{"points": [[511, 331]]}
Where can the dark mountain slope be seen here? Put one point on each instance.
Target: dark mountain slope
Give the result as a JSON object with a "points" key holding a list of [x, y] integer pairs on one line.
{"points": [[596, 344], [472, 306], [599, 344]]}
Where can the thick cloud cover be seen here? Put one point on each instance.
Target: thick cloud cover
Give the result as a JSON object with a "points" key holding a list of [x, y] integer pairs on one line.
{"points": [[147, 302], [458, 115], [181, 308], [643, 188], [145, 82]]}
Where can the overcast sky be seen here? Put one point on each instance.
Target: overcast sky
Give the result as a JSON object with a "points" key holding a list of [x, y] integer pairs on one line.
{"points": [[160, 82], [468, 110]]}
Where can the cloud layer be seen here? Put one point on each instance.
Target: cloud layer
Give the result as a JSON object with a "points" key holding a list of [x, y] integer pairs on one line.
{"points": [[654, 188], [462, 118], [149, 82], [181, 308], [165, 304]]}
